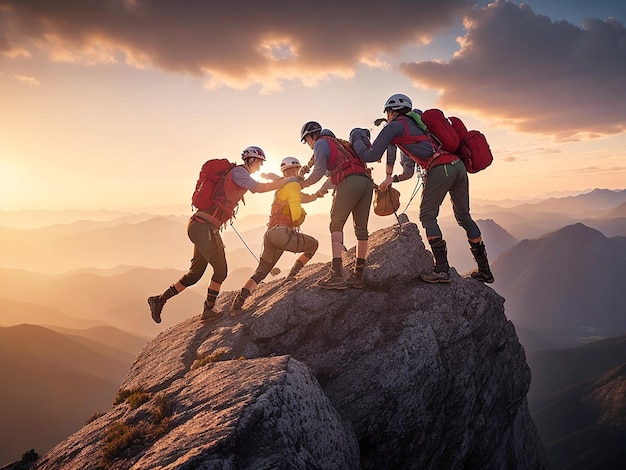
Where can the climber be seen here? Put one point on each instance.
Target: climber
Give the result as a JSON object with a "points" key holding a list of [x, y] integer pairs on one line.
{"points": [[283, 233], [353, 195], [445, 174]]}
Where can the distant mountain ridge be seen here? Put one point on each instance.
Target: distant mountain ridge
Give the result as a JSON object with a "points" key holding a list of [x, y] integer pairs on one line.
{"points": [[533, 220], [615, 212], [113, 296], [594, 201], [51, 384], [16, 313], [574, 365], [577, 399], [160, 241], [569, 279]]}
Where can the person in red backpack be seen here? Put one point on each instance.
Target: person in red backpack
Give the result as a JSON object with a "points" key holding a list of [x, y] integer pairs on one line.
{"points": [[353, 195], [445, 174], [204, 231], [283, 233]]}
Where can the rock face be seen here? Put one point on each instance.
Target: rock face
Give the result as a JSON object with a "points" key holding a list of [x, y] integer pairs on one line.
{"points": [[400, 375]]}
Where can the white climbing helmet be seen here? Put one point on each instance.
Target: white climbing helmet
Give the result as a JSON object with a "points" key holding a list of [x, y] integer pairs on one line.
{"points": [[398, 101], [289, 162], [253, 152]]}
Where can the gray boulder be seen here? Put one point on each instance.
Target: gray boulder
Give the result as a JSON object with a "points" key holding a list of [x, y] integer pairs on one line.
{"points": [[400, 375]]}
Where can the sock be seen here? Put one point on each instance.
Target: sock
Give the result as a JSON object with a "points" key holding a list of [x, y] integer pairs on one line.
{"points": [[211, 296], [168, 294], [297, 266]]}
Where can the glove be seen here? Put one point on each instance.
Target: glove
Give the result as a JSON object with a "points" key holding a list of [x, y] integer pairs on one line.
{"points": [[270, 176], [379, 121], [359, 133], [385, 184]]}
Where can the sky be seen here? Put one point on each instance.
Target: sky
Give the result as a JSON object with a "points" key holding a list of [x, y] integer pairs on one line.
{"points": [[115, 104]]}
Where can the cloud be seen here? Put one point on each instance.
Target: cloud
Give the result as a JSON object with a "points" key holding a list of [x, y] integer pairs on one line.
{"points": [[536, 75], [235, 43], [593, 170], [31, 81]]}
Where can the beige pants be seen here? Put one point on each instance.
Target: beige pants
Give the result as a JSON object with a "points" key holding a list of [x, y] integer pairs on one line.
{"points": [[276, 241]]}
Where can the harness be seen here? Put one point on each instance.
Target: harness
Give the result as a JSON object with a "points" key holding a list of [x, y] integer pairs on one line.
{"points": [[439, 157], [279, 213]]}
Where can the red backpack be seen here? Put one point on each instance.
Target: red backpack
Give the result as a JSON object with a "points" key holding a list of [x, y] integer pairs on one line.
{"points": [[439, 126], [474, 149], [459, 126], [211, 173]]}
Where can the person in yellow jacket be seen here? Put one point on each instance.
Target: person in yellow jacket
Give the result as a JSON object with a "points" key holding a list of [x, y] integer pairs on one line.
{"points": [[283, 233]]}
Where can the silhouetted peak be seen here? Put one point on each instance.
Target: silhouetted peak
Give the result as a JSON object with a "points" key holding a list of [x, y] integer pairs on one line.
{"points": [[575, 234]]}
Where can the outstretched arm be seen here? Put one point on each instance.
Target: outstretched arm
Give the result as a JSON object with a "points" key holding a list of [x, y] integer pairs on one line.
{"points": [[273, 185]]}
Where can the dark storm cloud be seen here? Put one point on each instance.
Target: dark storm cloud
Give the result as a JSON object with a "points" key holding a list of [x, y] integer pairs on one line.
{"points": [[539, 75], [239, 39]]}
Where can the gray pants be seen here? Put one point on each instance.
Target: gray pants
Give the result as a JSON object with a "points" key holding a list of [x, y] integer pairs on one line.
{"points": [[440, 180]]}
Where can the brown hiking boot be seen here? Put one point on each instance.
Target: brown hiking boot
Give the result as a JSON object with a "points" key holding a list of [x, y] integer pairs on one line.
{"points": [[355, 280], [332, 281], [156, 306], [482, 276], [294, 270], [208, 314], [236, 307]]}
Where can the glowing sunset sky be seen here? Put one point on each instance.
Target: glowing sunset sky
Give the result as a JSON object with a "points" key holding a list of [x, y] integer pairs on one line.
{"points": [[112, 104]]}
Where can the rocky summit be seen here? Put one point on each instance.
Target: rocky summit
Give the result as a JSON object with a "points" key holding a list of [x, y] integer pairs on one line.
{"points": [[399, 375]]}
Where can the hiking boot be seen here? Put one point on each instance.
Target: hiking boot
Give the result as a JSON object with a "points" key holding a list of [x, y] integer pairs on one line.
{"points": [[483, 273], [355, 280], [482, 276], [332, 281], [298, 265], [434, 277], [440, 253], [235, 308], [156, 306], [208, 314]]}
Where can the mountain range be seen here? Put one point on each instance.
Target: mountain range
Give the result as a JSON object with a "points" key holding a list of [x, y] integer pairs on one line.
{"points": [[569, 282], [559, 264], [53, 382], [103, 270], [577, 399]]}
